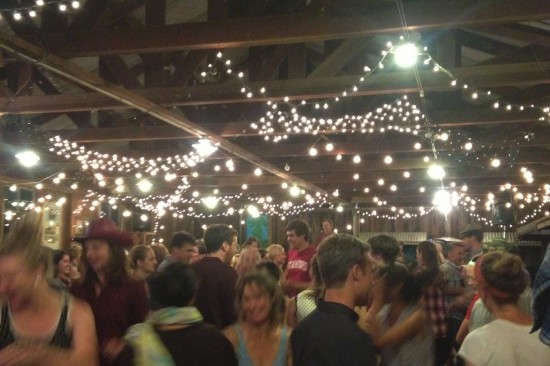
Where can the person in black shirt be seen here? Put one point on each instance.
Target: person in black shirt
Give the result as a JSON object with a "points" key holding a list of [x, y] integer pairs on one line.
{"points": [[175, 332], [330, 335]]}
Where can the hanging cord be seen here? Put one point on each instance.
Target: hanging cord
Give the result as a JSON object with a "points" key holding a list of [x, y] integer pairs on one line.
{"points": [[427, 119]]}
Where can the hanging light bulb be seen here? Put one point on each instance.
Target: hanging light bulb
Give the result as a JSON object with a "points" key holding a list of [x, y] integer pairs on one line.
{"points": [[405, 55], [75, 4], [39, 2], [436, 171], [144, 185], [28, 158], [62, 7]]}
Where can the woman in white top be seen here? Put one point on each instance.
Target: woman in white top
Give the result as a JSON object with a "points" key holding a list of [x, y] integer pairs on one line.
{"points": [[506, 340], [402, 331], [305, 302]]}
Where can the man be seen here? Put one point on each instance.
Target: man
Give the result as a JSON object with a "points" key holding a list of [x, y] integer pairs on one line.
{"points": [[183, 247], [330, 334], [472, 238], [458, 296], [327, 230], [299, 256], [216, 295]]}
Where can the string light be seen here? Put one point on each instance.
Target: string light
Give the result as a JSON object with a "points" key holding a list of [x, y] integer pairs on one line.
{"points": [[33, 10]]}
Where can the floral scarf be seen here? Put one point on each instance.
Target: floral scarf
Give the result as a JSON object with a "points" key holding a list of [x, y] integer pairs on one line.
{"points": [[147, 345]]}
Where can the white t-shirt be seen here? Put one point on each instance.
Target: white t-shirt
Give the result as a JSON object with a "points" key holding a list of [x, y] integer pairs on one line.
{"points": [[502, 343]]}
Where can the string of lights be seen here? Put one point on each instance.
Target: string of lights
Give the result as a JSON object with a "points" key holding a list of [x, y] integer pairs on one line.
{"points": [[34, 10]]}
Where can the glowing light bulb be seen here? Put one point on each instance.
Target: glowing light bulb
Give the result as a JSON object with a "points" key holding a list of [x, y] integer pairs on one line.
{"points": [[405, 55]]}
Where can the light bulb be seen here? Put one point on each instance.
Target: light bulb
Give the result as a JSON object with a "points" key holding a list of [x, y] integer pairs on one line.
{"points": [[405, 55]]}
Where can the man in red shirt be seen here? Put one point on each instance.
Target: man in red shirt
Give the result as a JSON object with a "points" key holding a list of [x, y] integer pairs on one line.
{"points": [[297, 271]]}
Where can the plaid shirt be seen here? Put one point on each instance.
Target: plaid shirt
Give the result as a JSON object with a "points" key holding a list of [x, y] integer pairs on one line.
{"points": [[454, 279], [435, 305]]}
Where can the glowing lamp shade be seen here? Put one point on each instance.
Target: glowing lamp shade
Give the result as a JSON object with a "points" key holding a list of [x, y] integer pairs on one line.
{"points": [[405, 55], [144, 185], [27, 158]]}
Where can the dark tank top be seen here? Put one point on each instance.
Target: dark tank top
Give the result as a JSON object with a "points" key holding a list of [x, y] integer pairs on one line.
{"points": [[62, 337]]}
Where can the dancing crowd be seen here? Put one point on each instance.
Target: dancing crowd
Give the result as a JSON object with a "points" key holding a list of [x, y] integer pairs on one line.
{"points": [[341, 301]]}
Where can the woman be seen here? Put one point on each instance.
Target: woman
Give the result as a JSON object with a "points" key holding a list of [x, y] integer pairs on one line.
{"points": [[434, 298], [506, 340], [250, 256], [143, 261], [305, 302], [160, 251], [401, 331], [62, 270], [75, 254], [117, 300], [260, 336], [38, 324], [276, 253], [174, 333]]}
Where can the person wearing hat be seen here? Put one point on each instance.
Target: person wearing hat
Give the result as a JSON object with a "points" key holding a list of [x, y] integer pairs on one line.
{"points": [[472, 238], [117, 300]]}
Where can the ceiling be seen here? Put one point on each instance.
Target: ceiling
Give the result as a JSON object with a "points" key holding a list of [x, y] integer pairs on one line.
{"points": [[135, 83]]}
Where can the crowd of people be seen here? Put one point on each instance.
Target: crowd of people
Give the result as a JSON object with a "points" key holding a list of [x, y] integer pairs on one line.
{"points": [[341, 301]]}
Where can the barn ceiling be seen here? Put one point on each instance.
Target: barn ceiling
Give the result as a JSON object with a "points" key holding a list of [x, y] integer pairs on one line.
{"points": [[302, 99]]}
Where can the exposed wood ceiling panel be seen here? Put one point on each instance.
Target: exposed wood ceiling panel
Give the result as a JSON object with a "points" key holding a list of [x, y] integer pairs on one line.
{"points": [[163, 85]]}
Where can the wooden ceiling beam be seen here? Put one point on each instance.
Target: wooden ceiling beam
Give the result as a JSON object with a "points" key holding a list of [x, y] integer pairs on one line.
{"points": [[248, 32], [121, 72], [62, 67], [383, 83]]}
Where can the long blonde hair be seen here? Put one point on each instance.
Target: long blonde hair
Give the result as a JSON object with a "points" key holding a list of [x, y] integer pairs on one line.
{"points": [[25, 239]]}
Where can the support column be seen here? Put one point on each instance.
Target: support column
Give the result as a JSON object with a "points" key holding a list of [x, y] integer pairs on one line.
{"points": [[356, 223]]}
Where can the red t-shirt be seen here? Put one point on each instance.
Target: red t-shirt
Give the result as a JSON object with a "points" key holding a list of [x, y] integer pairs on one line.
{"points": [[298, 266]]}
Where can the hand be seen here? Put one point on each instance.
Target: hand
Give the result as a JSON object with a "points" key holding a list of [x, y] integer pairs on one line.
{"points": [[15, 354], [112, 348]]}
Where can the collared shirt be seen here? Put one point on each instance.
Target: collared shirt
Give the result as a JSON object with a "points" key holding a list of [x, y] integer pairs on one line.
{"points": [[454, 279], [436, 307], [330, 336]]}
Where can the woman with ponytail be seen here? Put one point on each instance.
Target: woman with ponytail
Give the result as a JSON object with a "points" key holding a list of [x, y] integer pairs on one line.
{"points": [[506, 340]]}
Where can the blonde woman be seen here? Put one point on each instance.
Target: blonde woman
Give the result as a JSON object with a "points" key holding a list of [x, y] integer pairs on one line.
{"points": [[260, 336], [250, 256], [276, 254], [38, 324]]}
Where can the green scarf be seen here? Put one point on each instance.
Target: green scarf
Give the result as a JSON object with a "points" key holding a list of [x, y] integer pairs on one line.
{"points": [[148, 347]]}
